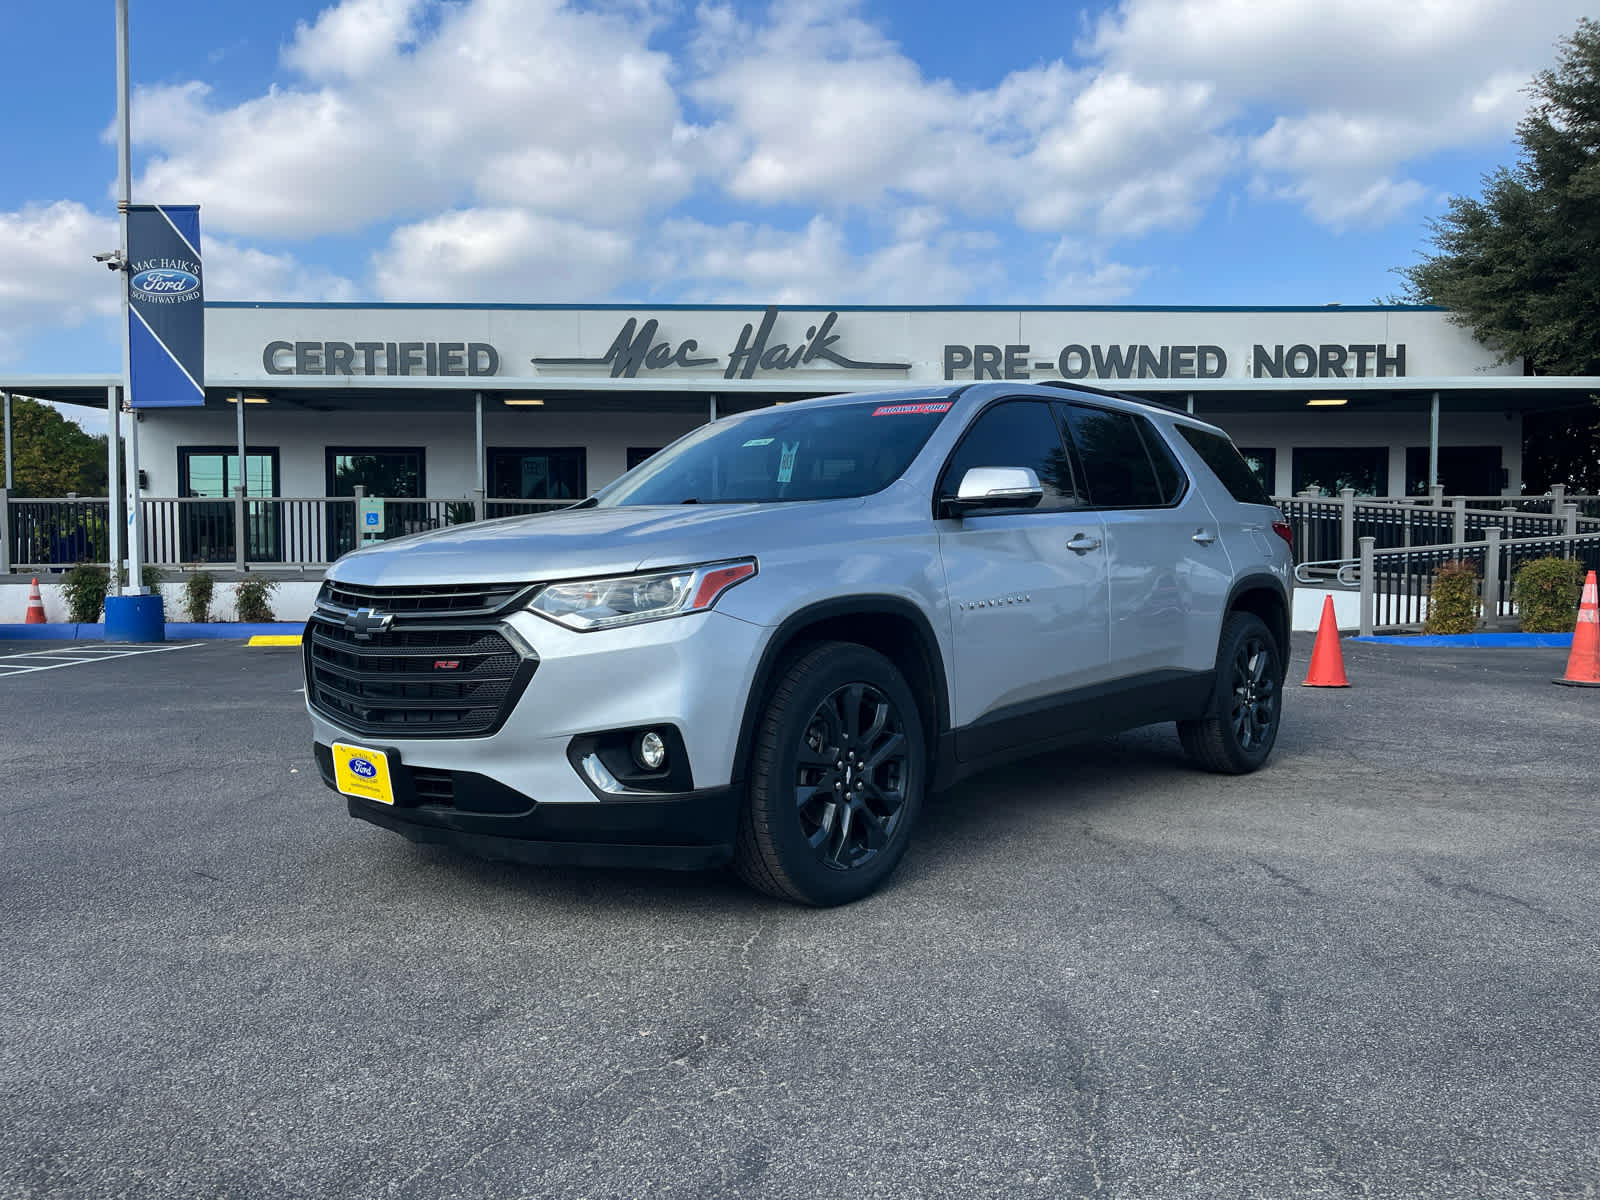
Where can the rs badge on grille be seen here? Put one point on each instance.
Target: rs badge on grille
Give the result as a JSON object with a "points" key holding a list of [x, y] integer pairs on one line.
{"points": [[446, 664]]}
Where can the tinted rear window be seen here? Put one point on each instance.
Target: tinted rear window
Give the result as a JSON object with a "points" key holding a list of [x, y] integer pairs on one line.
{"points": [[1119, 471], [1227, 464]]}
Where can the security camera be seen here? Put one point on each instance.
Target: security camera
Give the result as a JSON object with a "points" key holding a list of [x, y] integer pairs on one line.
{"points": [[111, 258]]}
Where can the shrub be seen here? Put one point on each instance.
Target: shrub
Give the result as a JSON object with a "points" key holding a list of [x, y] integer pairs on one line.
{"points": [[252, 598], [197, 591], [1453, 605], [85, 588], [1545, 592]]}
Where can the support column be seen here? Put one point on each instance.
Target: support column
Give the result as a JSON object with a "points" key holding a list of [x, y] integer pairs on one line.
{"points": [[240, 489], [10, 482], [1433, 442], [1189, 400], [135, 512], [1368, 587], [1491, 575], [478, 455], [114, 502], [713, 410]]}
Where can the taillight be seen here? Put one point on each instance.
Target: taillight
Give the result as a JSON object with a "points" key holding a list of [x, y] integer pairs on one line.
{"points": [[1284, 530]]}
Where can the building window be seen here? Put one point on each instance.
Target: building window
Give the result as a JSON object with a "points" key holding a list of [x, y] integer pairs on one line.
{"points": [[1263, 463], [637, 454], [391, 472], [1334, 468], [537, 473], [205, 531], [1463, 471], [396, 473]]}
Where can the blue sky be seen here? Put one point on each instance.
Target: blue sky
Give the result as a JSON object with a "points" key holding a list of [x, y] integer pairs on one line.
{"points": [[877, 151]]}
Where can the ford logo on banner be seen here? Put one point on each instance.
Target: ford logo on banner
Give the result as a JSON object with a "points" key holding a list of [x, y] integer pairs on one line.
{"points": [[363, 768], [165, 283]]}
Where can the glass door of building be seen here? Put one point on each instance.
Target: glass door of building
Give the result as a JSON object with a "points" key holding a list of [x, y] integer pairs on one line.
{"points": [[398, 474], [206, 531]]}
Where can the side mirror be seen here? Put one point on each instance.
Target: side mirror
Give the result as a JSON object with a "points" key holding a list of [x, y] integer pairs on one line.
{"points": [[993, 487]]}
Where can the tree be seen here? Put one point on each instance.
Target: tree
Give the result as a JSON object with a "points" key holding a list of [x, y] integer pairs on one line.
{"points": [[52, 456], [1521, 265]]}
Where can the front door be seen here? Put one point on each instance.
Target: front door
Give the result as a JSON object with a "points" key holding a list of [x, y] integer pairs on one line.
{"points": [[1028, 614], [205, 531], [395, 473]]}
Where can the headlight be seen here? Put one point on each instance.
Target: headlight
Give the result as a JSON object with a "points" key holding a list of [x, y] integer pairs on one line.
{"points": [[629, 599]]}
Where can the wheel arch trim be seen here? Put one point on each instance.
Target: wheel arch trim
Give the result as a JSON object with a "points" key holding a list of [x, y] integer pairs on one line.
{"points": [[789, 632]]}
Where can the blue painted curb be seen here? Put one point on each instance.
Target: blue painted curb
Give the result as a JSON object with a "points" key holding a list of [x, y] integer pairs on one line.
{"points": [[1563, 640], [176, 631]]}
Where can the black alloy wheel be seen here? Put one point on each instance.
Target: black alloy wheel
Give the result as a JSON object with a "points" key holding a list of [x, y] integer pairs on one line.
{"points": [[1255, 693], [837, 775], [1237, 732], [851, 772]]}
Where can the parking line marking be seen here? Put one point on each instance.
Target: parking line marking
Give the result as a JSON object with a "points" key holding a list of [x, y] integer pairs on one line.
{"points": [[23, 664]]}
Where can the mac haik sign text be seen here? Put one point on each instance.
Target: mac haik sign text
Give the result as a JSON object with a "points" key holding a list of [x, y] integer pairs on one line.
{"points": [[638, 348], [166, 307], [1301, 360]]}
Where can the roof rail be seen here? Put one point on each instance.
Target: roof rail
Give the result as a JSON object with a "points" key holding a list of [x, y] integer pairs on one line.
{"points": [[1071, 386]]}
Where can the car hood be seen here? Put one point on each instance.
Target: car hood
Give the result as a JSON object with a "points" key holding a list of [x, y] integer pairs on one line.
{"points": [[586, 541]]}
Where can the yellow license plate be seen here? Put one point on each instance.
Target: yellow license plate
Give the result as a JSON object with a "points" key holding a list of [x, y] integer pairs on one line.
{"points": [[358, 771]]}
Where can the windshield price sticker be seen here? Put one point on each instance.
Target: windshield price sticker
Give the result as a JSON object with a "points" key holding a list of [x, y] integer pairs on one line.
{"points": [[757, 442], [911, 410], [786, 463]]}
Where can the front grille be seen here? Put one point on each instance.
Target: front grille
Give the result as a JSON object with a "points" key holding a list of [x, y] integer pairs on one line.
{"points": [[443, 600], [413, 680]]}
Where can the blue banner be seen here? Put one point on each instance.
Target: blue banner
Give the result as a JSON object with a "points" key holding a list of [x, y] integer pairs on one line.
{"points": [[166, 310]]}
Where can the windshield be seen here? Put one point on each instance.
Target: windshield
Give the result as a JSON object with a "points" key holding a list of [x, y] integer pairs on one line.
{"points": [[797, 452]]}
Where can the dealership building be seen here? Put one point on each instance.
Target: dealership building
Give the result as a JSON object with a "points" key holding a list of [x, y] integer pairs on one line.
{"points": [[511, 406]]}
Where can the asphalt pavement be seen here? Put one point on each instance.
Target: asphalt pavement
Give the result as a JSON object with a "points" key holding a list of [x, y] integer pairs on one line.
{"points": [[1369, 970]]}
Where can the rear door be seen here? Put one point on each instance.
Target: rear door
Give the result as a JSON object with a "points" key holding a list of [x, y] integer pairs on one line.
{"points": [[1169, 569], [1027, 610]]}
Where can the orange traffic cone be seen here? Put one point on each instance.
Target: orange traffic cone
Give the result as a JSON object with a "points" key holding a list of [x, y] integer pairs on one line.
{"points": [[1583, 664], [35, 606], [1327, 660]]}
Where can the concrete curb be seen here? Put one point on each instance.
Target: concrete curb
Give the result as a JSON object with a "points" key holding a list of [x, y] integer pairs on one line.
{"points": [[177, 631], [1485, 640]]}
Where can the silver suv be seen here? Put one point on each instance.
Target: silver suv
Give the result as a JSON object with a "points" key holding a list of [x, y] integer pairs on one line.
{"points": [[768, 642]]}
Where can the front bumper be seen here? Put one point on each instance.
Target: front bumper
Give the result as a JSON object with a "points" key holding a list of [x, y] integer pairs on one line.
{"points": [[516, 792], [684, 831]]}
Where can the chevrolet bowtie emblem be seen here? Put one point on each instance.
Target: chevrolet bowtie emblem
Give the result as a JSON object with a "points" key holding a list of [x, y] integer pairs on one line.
{"points": [[365, 622]]}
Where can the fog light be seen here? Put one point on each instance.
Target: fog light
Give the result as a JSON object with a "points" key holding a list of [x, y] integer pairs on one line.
{"points": [[650, 751]]}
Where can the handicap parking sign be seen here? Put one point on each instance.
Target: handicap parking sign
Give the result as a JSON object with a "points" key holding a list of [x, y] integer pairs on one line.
{"points": [[369, 514]]}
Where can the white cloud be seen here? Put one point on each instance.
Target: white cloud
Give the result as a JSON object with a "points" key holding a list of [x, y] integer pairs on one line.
{"points": [[48, 276], [235, 272], [353, 39], [743, 263], [1077, 275], [417, 106], [1354, 90], [500, 254]]}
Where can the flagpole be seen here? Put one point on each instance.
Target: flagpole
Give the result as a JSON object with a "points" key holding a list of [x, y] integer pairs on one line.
{"points": [[135, 523]]}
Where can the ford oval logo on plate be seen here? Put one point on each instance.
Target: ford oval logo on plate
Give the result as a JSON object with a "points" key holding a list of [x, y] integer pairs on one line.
{"points": [[165, 282], [363, 768]]}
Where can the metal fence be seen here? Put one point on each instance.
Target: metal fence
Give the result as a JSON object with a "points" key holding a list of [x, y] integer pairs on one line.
{"points": [[1396, 585], [1328, 529], [309, 531]]}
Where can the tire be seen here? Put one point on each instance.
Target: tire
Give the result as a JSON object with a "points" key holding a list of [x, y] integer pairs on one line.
{"points": [[797, 841], [1240, 724]]}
